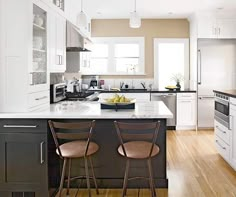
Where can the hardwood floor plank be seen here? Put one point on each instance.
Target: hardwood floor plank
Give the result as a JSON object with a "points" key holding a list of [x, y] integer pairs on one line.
{"points": [[195, 169]]}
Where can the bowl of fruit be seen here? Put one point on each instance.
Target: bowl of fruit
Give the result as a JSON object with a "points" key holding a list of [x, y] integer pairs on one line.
{"points": [[118, 102]]}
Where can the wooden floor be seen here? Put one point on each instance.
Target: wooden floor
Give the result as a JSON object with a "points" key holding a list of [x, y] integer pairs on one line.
{"points": [[194, 169]]}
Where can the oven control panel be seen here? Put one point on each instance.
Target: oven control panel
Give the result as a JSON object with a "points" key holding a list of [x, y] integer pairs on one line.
{"points": [[222, 96]]}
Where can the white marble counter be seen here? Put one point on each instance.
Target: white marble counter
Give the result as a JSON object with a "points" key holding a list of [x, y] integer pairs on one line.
{"points": [[91, 110]]}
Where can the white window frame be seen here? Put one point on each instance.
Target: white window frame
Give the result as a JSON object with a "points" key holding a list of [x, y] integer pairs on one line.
{"points": [[111, 41], [158, 41]]}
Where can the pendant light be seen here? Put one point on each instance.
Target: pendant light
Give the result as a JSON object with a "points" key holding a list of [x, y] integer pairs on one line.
{"points": [[135, 20], [81, 18]]}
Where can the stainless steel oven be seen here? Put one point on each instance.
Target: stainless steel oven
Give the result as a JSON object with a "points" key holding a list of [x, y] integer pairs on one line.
{"points": [[57, 92], [222, 109]]}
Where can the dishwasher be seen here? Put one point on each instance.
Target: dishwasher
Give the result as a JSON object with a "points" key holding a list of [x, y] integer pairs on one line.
{"points": [[170, 101]]}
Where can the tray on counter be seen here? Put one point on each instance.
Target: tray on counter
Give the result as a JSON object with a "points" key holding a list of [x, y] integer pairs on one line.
{"points": [[120, 105]]}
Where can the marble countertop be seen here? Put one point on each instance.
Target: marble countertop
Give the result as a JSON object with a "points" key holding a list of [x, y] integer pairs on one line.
{"points": [[92, 110], [148, 91]]}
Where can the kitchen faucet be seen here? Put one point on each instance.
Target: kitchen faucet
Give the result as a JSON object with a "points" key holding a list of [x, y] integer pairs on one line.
{"points": [[143, 84], [121, 84]]}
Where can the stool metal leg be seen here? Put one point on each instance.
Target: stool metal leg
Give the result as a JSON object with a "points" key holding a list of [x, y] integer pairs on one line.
{"points": [[151, 182], [125, 178], [94, 178], [87, 175], [62, 176], [68, 181]]}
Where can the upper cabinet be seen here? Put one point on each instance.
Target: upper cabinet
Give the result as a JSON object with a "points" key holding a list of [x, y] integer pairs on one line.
{"points": [[60, 4], [57, 42], [212, 26], [24, 55], [38, 73]]}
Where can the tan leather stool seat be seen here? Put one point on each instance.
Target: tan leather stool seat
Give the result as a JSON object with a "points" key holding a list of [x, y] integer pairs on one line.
{"points": [[76, 149], [138, 149]]}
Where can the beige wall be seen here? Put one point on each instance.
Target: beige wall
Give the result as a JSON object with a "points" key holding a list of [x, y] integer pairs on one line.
{"points": [[151, 28]]}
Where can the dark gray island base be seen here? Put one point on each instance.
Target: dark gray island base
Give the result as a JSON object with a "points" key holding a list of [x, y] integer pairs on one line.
{"points": [[29, 165]]}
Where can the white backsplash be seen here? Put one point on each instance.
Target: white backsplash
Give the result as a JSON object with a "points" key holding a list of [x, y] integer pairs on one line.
{"points": [[115, 83]]}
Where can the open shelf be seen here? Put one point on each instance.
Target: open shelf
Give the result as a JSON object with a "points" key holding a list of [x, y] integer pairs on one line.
{"points": [[39, 50], [38, 27]]}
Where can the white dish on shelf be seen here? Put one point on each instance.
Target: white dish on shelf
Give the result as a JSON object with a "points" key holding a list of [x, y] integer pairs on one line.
{"points": [[38, 20], [38, 42]]}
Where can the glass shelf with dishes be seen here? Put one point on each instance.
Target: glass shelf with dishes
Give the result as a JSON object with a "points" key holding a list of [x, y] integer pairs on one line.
{"points": [[38, 70]]}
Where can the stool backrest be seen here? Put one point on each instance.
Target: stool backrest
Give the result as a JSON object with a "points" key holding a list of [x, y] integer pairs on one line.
{"points": [[137, 132], [81, 131]]}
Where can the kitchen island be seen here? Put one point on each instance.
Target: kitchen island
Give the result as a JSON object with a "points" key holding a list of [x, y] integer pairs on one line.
{"points": [[27, 153]]}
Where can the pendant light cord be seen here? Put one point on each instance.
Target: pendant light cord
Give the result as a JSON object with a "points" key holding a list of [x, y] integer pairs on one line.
{"points": [[81, 5], [134, 5]]}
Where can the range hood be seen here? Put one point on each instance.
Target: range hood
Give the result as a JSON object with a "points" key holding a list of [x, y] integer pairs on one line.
{"points": [[75, 42]]}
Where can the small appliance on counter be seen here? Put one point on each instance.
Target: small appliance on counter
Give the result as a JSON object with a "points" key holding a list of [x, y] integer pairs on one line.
{"points": [[57, 92], [94, 82]]}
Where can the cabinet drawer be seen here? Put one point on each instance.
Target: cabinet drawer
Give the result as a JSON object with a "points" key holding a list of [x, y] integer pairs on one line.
{"points": [[222, 132], [23, 126], [38, 98], [233, 102], [222, 148], [186, 96]]}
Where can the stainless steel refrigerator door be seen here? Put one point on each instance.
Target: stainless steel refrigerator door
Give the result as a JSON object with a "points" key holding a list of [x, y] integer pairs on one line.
{"points": [[216, 65], [205, 112]]}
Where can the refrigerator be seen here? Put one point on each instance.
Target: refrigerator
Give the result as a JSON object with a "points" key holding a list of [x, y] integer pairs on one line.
{"points": [[216, 70]]}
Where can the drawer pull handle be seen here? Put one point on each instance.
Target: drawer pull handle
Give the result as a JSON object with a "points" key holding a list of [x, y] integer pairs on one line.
{"points": [[224, 132], [20, 126], [41, 98], [220, 145], [41, 153]]}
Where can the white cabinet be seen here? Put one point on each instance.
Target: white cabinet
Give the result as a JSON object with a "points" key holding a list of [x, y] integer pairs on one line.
{"points": [[24, 53], [233, 132], [207, 27], [186, 111], [140, 97], [226, 28], [213, 27], [57, 42]]}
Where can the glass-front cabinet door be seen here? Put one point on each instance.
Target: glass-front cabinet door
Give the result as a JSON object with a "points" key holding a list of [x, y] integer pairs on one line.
{"points": [[38, 70]]}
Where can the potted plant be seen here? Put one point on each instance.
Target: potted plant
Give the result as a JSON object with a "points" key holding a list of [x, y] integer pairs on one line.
{"points": [[178, 77]]}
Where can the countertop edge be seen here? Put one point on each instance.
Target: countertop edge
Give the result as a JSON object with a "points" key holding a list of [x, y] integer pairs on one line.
{"points": [[226, 92]]}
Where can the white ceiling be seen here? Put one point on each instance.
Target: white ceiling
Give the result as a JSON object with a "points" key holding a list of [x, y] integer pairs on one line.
{"points": [[109, 9]]}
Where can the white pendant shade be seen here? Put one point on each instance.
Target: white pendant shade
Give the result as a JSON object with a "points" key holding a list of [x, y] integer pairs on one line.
{"points": [[135, 20], [81, 20]]}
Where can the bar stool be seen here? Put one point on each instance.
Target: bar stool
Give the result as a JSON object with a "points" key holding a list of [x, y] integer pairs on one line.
{"points": [[137, 142], [80, 146]]}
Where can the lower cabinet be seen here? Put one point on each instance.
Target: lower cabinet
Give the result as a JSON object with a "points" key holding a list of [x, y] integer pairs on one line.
{"points": [[233, 132], [186, 111], [222, 140], [23, 158]]}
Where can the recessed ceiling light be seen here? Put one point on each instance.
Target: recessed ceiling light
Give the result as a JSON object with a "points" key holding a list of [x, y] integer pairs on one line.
{"points": [[220, 8]]}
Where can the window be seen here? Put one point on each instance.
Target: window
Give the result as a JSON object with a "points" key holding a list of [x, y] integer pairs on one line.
{"points": [[171, 57], [117, 55]]}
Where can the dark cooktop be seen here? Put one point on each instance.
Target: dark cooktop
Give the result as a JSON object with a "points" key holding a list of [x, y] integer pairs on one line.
{"points": [[78, 95]]}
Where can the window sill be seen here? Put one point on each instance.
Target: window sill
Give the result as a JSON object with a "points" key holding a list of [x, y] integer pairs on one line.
{"points": [[115, 74]]}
